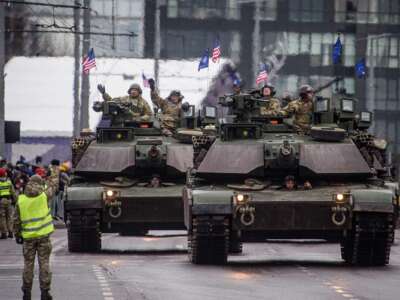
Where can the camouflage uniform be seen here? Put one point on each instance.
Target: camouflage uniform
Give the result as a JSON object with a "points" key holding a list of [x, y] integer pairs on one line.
{"points": [[170, 111], [41, 246], [302, 111], [6, 211], [137, 107], [271, 108]]}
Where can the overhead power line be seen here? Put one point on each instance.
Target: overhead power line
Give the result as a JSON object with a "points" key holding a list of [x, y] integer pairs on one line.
{"points": [[130, 34], [44, 4]]}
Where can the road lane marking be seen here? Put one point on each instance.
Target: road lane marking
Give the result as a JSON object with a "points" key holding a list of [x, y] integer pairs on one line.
{"points": [[337, 288], [101, 279]]}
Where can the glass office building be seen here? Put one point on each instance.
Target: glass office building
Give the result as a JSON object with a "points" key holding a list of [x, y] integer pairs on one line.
{"points": [[295, 38]]}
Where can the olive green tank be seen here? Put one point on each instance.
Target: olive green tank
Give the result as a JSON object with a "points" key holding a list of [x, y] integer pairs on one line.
{"points": [[259, 179], [127, 178]]}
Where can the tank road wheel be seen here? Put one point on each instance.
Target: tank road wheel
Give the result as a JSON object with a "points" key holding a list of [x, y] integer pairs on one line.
{"points": [[369, 241], [84, 230], [235, 243], [209, 240]]}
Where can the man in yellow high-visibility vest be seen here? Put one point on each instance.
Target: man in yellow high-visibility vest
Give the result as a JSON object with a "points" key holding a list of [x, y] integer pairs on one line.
{"points": [[33, 225], [7, 199]]}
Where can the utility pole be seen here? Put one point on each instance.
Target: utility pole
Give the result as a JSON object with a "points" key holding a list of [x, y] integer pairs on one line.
{"points": [[113, 24], [157, 43], [2, 85], [370, 105], [85, 92], [256, 39], [77, 63]]}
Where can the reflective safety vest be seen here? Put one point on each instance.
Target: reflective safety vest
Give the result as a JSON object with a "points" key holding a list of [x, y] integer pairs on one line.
{"points": [[35, 216], [5, 188]]}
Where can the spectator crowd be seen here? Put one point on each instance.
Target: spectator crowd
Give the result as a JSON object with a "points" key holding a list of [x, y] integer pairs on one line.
{"points": [[18, 176]]}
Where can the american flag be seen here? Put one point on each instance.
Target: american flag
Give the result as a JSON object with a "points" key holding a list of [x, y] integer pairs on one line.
{"points": [[216, 53], [145, 81], [89, 62], [262, 75]]}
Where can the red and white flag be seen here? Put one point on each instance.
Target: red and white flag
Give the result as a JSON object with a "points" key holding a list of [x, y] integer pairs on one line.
{"points": [[262, 75], [145, 81], [89, 62], [216, 52]]}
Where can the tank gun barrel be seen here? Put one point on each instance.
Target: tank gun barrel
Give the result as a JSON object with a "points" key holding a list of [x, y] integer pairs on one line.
{"points": [[328, 84]]}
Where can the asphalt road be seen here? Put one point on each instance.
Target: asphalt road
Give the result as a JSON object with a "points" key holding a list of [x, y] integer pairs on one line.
{"points": [[156, 267]]}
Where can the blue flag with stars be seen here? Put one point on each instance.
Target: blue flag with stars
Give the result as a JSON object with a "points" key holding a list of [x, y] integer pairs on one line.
{"points": [[361, 69], [337, 51], [204, 60]]}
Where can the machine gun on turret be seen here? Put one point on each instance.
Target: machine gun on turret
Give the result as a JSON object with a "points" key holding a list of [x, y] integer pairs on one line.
{"points": [[243, 107]]}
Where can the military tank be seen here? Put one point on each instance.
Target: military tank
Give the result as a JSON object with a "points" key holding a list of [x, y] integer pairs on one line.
{"points": [[127, 177], [237, 192]]}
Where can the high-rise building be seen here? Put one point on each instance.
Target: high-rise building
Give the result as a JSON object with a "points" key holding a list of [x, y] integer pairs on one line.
{"points": [[295, 38]]}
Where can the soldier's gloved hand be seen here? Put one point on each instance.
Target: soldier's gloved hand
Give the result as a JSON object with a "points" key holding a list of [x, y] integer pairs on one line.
{"points": [[152, 84], [19, 240], [185, 106], [101, 88]]}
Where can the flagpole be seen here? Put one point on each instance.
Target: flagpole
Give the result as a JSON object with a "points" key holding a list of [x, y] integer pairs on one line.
{"points": [[208, 78]]}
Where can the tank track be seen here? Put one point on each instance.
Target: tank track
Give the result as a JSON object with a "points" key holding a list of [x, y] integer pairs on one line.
{"points": [[209, 240], [370, 240], [84, 230], [235, 243]]}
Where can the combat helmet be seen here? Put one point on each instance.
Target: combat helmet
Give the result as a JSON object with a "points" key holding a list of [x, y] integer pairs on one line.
{"points": [[176, 93], [304, 89], [271, 87], [136, 87]]}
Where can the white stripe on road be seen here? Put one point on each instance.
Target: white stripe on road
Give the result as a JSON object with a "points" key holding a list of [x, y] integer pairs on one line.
{"points": [[105, 289], [337, 288]]}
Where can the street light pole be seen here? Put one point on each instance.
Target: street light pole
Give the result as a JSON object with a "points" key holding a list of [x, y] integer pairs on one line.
{"points": [[2, 85], [157, 43], [77, 74], [256, 39], [84, 115]]}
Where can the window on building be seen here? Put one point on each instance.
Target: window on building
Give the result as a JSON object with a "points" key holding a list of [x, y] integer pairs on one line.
{"points": [[306, 10], [203, 9], [191, 43], [350, 85], [268, 10], [385, 50], [319, 47], [380, 93], [367, 11]]}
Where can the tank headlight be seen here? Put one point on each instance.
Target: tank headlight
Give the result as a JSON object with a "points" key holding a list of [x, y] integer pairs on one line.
{"points": [[341, 198], [110, 195], [241, 198]]}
